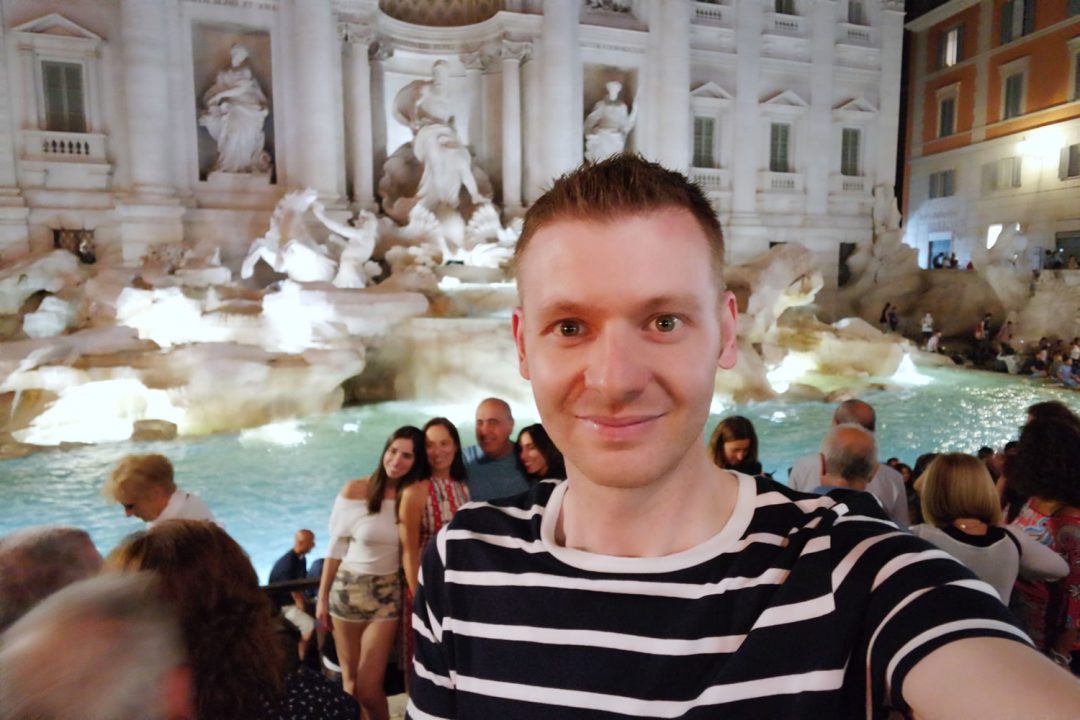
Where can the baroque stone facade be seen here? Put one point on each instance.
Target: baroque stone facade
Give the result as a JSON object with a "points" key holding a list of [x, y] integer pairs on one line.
{"points": [[786, 112]]}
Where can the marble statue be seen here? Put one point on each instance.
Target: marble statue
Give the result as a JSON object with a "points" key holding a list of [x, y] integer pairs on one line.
{"points": [[608, 124], [287, 247], [885, 213], [235, 113], [356, 243], [424, 106]]}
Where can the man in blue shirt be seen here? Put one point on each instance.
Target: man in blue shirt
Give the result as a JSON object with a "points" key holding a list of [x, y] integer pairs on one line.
{"points": [[492, 462], [292, 604]]}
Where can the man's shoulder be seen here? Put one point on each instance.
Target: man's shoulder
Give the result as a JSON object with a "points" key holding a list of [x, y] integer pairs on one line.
{"points": [[472, 454], [284, 566], [517, 515]]}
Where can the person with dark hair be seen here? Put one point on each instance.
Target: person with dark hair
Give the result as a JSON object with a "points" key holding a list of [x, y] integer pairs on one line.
{"points": [[652, 582], [239, 663], [37, 561], [1052, 410], [1045, 468], [428, 504], [963, 517], [538, 456], [360, 589], [734, 445]]}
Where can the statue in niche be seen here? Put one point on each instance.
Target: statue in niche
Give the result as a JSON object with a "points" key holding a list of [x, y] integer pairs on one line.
{"points": [[424, 106], [236, 111], [608, 124]]}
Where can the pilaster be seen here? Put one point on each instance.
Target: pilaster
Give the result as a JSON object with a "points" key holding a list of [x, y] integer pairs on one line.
{"points": [[561, 103], [359, 112], [513, 54]]}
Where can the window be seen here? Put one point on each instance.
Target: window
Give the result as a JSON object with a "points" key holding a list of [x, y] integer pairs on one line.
{"points": [[942, 184], [784, 7], [1074, 7], [946, 116], [856, 12], [704, 142], [849, 152], [63, 94], [1017, 19], [1070, 162], [950, 47], [780, 147], [1013, 94], [1002, 174], [1076, 76]]}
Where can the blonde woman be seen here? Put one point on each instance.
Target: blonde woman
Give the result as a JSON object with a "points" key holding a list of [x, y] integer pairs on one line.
{"points": [[963, 517]]}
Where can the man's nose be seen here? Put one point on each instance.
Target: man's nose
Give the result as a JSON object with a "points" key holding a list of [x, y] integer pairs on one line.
{"points": [[616, 363]]}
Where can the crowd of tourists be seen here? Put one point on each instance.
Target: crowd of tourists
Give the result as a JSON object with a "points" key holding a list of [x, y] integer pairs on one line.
{"points": [[661, 578]]}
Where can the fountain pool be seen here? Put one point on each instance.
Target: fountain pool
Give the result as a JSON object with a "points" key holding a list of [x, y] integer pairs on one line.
{"points": [[266, 483]]}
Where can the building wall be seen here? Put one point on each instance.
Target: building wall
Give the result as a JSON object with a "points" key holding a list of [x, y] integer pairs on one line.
{"points": [[1046, 202], [735, 61]]}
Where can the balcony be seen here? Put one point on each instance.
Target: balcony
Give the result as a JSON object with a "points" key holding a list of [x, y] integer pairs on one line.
{"points": [[779, 182], [859, 35], [782, 24], [714, 14], [48, 146], [64, 161], [711, 179], [848, 185]]}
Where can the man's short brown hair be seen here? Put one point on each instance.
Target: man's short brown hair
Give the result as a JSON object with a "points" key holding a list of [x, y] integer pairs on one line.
{"points": [[136, 474], [622, 185]]}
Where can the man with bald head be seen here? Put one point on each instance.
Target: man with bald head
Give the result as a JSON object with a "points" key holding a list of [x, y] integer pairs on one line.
{"points": [[848, 458], [492, 462], [292, 603], [887, 485]]}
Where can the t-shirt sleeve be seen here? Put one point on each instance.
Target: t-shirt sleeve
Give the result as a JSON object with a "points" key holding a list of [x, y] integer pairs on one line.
{"points": [[918, 599], [432, 692]]}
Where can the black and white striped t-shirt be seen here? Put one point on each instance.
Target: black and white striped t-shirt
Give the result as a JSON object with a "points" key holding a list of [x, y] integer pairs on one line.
{"points": [[800, 607]]}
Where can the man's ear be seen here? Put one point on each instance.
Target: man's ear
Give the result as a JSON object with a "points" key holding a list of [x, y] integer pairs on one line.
{"points": [[729, 326], [518, 324]]}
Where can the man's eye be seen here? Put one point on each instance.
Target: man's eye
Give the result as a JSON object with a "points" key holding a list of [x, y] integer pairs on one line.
{"points": [[667, 323], [568, 328]]}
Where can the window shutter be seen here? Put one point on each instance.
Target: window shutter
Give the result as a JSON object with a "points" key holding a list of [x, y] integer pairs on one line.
{"points": [[1063, 163], [942, 44], [960, 43], [1006, 21], [989, 177]]}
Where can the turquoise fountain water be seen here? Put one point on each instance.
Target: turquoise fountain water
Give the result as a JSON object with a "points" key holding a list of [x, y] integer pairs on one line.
{"points": [[265, 484]]}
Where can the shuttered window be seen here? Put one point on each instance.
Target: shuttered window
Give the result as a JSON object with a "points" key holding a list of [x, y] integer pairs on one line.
{"points": [[64, 110]]}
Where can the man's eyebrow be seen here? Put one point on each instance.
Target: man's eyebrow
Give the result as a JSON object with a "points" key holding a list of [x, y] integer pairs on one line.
{"points": [[569, 308]]}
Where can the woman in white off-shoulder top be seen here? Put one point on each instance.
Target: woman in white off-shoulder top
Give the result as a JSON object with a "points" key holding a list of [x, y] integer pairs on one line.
{"points": [[360, 591]]}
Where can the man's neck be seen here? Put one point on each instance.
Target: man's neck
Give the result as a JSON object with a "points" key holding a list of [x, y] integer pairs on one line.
{"points": [[670, 515]]}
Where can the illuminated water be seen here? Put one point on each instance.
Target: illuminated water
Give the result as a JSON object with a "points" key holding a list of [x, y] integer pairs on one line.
{"points": [[265, 485]]}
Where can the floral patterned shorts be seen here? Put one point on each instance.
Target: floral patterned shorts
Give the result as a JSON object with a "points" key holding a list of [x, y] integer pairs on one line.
{"points": [[365, 598]]}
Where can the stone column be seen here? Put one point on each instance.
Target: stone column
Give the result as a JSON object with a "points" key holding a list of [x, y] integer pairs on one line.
{"points": [[561, 102], [671, 27], [513, 53], [748, 134], [150, 214], [381, 51], [316, 53], [819, 130], [892, 53], [474, 62], [359, 112], [14, 234]]}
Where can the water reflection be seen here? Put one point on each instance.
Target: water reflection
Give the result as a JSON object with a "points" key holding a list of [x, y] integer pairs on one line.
{"points": [[264, 485]]}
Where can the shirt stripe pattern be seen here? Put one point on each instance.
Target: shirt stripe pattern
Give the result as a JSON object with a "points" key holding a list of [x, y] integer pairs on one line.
{"points": [[800, 607]]}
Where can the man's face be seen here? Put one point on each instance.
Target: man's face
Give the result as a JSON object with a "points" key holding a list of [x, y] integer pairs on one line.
{"points": [[146, 505], [621, 330], [493, 428], [304, 543]]}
